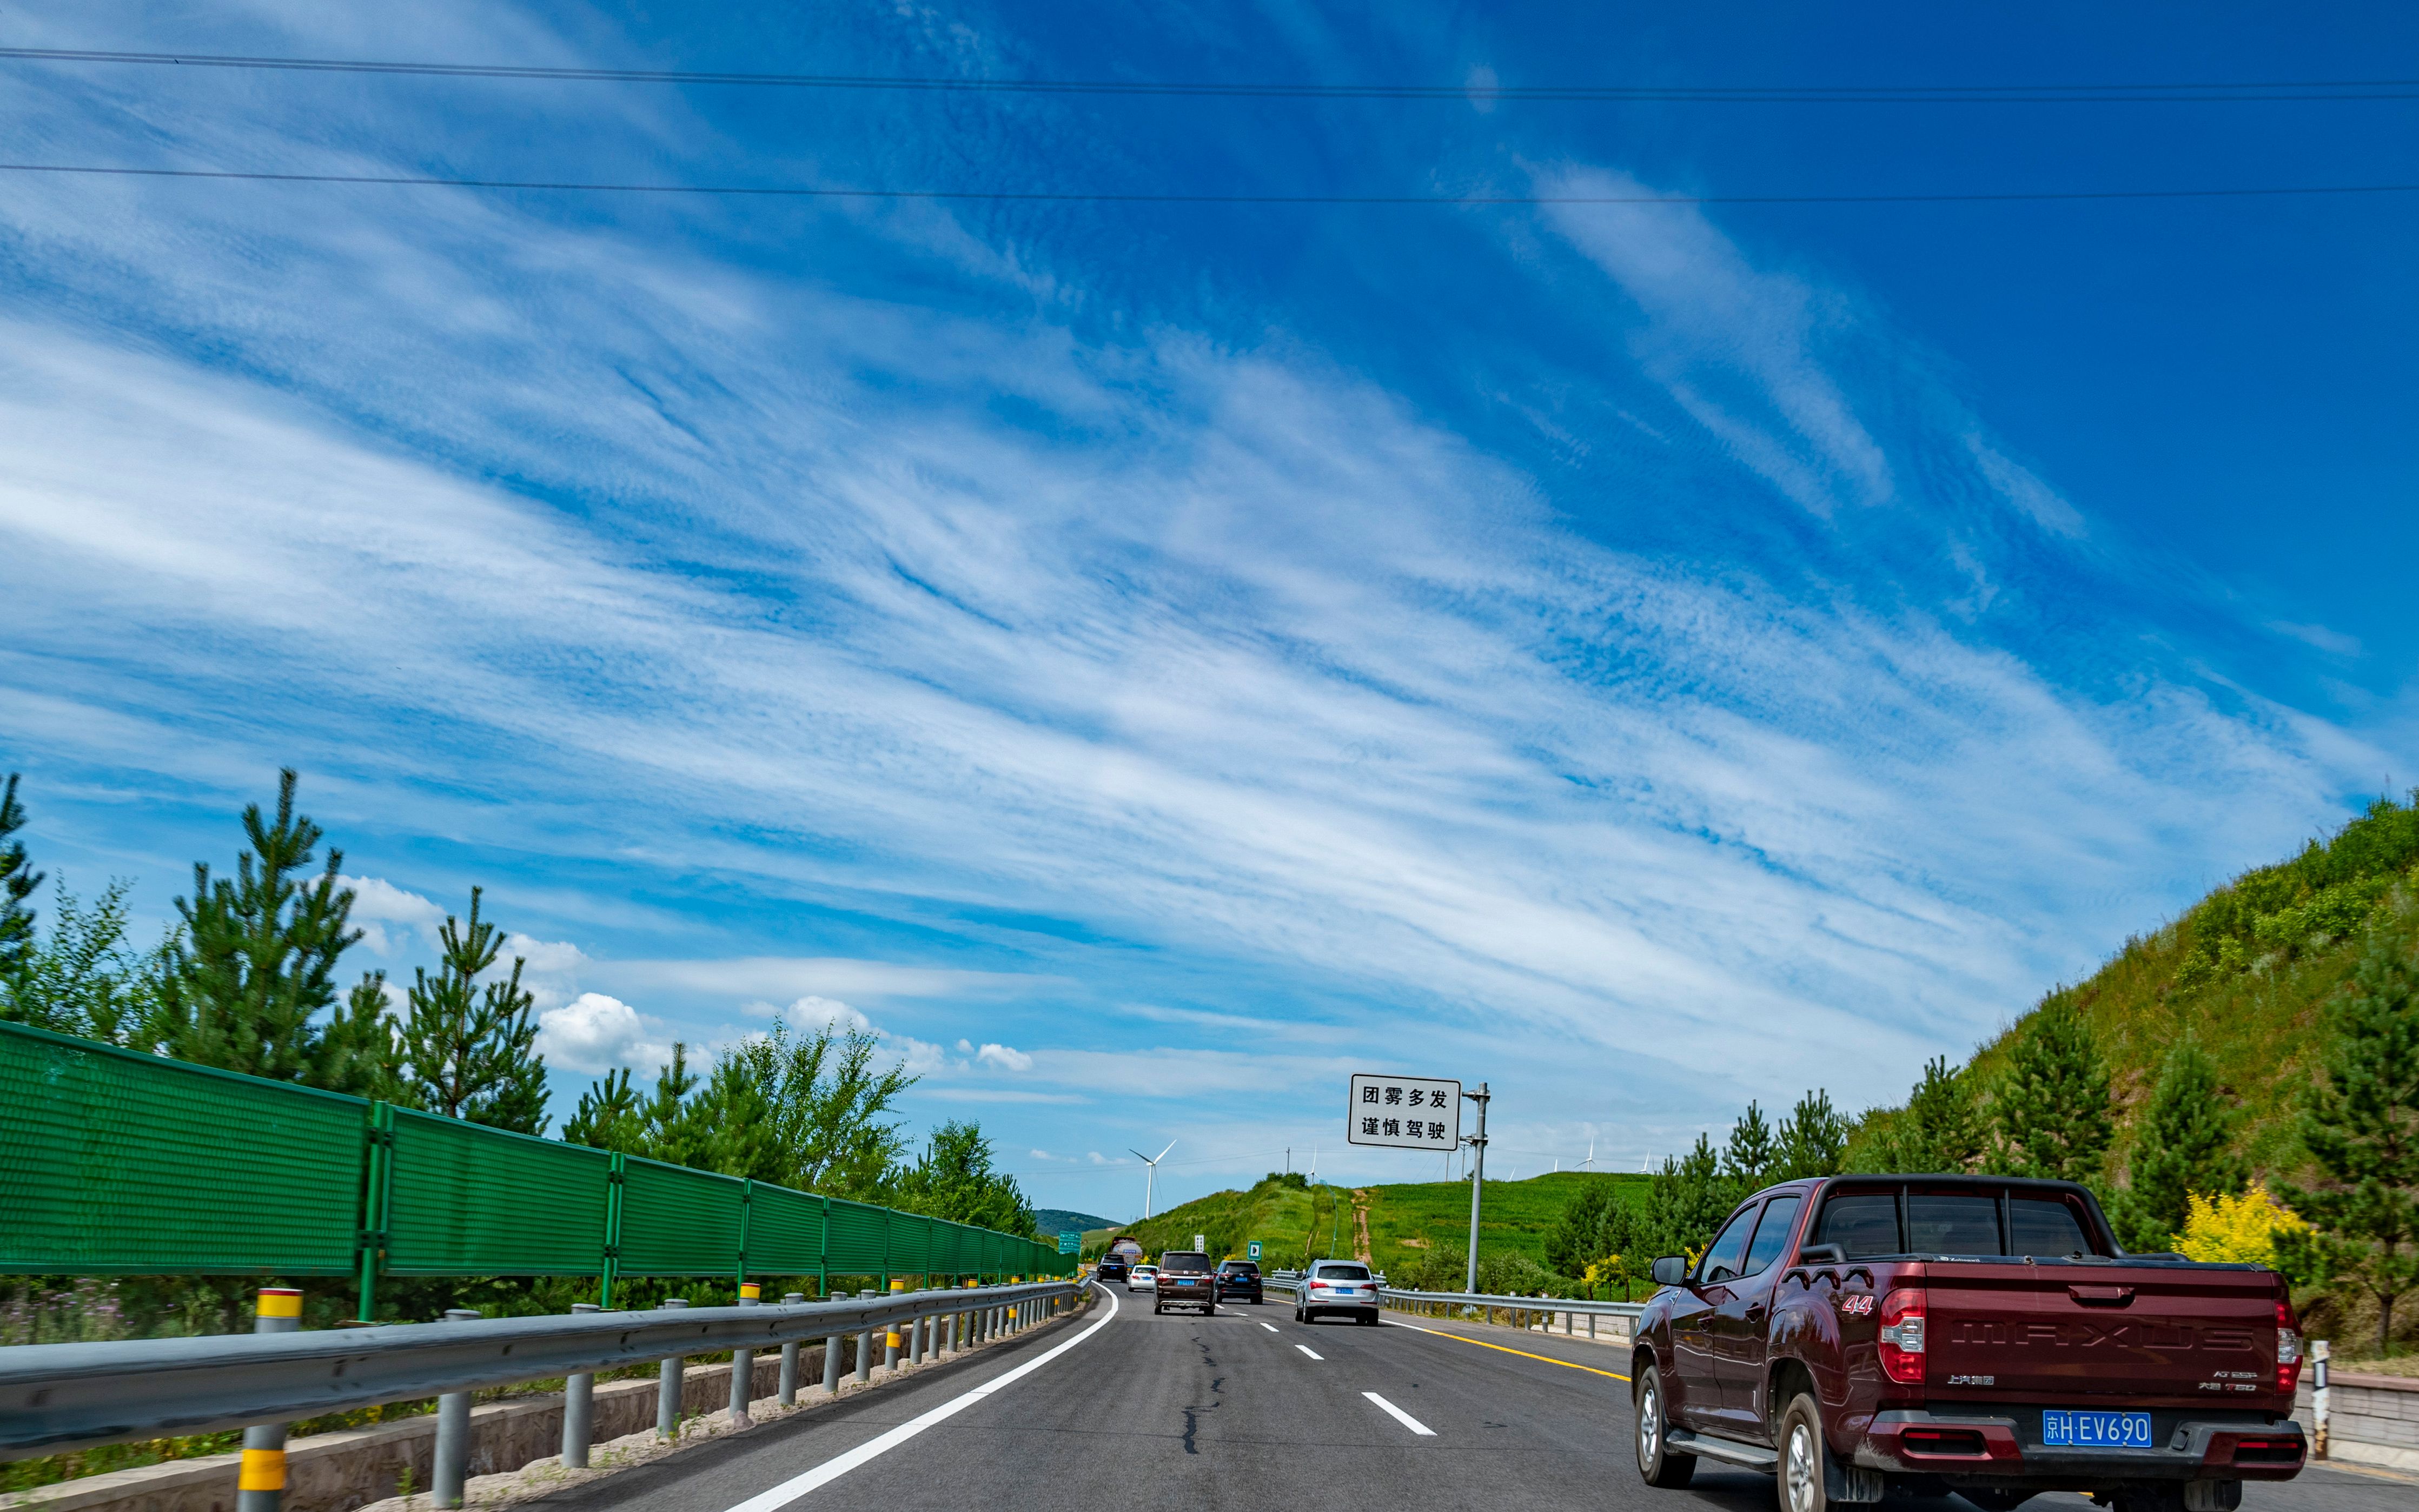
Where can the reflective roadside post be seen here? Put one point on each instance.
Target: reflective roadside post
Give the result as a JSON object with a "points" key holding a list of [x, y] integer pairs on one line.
{"points": [[668, 1385], [865, 1340], [453, 1452], [743, 1362], [789, 1356], [890, 1336], [578, 1408], [260, 1480]]}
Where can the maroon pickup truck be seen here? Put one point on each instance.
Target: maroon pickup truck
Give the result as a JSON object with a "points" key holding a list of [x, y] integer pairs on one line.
{"points": [[1919, 1335]]}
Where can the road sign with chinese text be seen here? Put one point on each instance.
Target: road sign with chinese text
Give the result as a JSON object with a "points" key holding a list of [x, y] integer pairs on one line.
{"points": [[1404, 1112], [1070, 1241]]}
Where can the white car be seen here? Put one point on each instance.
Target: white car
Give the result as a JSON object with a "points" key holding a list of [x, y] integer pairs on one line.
{"points": [[1143, 1279], [1337, 1287]]}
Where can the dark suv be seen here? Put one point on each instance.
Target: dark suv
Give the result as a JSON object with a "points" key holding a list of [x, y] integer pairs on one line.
{"points": [[1239, 1281], [1185, 1281]]}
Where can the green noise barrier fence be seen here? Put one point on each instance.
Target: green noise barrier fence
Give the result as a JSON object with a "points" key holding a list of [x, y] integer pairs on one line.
{"points": [[116, 1163]]}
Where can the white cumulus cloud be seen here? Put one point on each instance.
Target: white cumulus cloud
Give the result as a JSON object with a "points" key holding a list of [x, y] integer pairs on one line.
{"points": [[595, 1033], [1004, 1058]]}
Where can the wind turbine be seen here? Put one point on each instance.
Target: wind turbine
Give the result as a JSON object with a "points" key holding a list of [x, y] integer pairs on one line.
{"points": [[1589, 1164], [1152, 1180]]}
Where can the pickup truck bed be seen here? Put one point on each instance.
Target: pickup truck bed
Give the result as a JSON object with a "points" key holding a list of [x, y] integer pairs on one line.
{"points": [[1982, 1335]]}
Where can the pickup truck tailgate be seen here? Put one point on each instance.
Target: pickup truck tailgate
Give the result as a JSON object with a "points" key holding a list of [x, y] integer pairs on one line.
{"points": [[2071, 1333]]}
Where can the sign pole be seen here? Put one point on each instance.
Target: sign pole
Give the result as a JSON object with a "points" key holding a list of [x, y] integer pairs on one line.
{"points": [[1477, 1180]]}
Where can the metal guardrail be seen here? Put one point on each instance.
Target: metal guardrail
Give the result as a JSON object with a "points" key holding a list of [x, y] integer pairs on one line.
{"points": [[1291, 1281], [61, 1395]]}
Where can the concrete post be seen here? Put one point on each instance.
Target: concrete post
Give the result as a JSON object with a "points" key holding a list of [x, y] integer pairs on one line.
{"points": [[789, 1356], [916, 1339], [864, 1341], [260, 1480], [667, 1387], [579, 1409], [890, 1339], [453, 1453]]}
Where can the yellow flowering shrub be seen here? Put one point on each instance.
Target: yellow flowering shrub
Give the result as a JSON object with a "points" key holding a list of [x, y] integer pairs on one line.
{"points": [[2239, 1228]]}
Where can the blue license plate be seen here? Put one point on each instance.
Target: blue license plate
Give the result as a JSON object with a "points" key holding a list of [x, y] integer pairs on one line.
{"points": [[2096, 1430]]}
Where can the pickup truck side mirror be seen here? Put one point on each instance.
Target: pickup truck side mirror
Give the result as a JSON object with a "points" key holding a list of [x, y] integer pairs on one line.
{"points": [[1823, 1255], [1671, 1271]]}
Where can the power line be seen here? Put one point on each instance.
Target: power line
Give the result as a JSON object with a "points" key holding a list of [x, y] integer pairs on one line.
{"points": [[1112, 197], [2121, 93]]}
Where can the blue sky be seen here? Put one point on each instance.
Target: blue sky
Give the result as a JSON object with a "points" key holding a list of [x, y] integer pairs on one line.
{"points": [[1150, 661]]}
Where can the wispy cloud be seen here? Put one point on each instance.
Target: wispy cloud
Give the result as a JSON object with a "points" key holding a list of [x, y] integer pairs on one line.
{"points": [[952, 663]]}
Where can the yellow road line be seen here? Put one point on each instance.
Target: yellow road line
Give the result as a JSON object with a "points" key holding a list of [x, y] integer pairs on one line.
{"points": [[1507, 1348]]}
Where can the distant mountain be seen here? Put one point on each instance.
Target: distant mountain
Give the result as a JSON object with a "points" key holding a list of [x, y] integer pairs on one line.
{"points": [[1052, 1222]]}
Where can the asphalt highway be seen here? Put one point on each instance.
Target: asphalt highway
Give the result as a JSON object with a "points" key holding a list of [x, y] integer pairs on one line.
{"points": [[1249, 1410]]}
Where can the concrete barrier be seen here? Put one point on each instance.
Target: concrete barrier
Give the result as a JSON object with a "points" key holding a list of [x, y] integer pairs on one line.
{"points": [[2371, 1420]]}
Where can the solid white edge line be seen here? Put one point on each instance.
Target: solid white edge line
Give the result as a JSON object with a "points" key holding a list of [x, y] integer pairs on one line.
{"points": [[834, 1468], [1400, 1416], [1308, 1351]]}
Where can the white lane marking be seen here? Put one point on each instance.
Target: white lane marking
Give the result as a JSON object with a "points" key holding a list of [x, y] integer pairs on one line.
{"points": [[1308, 1351], [1400, 1416], [1270, 1327], [833, 1469]]}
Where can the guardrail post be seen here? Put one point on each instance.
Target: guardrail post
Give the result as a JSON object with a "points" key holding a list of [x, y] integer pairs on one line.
{"points": [[743, 1362], [578, 1408], [833, 1343], [915, 1337], [668, 1385], [890, 1335], [453, 1453], [864, 1341], [260, 1480], [789, 1356]]}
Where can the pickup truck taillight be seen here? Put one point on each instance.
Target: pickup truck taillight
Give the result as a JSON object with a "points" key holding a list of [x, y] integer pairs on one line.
{"points": [[2289, 1348], [1901, 1335]]}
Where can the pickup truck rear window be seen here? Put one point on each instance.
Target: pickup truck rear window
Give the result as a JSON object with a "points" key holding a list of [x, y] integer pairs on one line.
{"points": [[1862, 1224], [2038, 1225], [1953, 1222]]}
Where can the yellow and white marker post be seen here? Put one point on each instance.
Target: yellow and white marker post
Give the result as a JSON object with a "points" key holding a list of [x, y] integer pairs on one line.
{"points": [[260, 1479], [891, 1341], [743, 1362]]}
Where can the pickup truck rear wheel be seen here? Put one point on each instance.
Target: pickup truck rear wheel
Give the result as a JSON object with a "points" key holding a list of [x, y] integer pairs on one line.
{"points": [[1655, 1461], [1800, 1441]]}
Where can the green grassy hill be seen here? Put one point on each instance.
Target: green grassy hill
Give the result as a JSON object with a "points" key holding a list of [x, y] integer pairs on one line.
{"points": [[2247, 971], [1409, 1226]]}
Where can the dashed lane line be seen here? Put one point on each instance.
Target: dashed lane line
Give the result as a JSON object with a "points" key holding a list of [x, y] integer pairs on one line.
{"points": [[1400, 1416], [1270, 1327], [1507, 1348], [1308, 1351], [834, 1468]]}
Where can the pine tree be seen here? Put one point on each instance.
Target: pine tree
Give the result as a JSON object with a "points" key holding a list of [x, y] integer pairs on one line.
{"points": [[609, 1117], [2182, 1145], [1752, 1151], [2050, 1109], [2361, 1126], [1574, 1241], [1684, 1206], [1939, 1132], [1814, 1139], [257, 959], [17, 884], [670, 1128], [359, 1053], [468, 1049]]}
